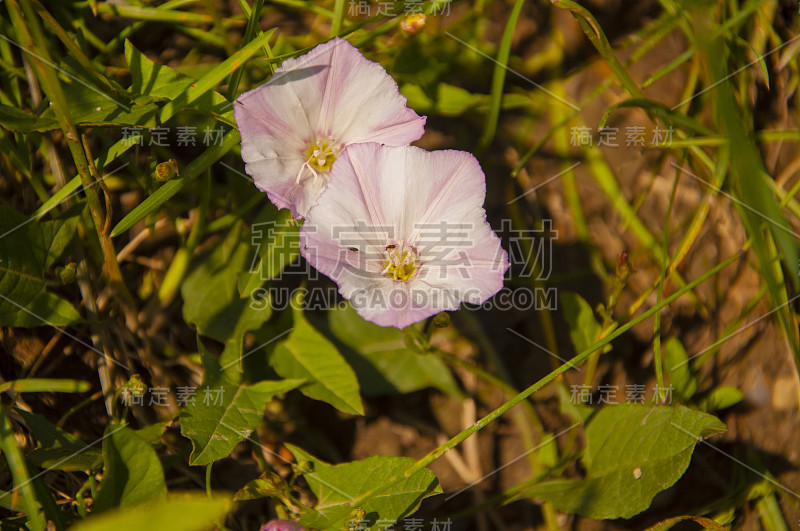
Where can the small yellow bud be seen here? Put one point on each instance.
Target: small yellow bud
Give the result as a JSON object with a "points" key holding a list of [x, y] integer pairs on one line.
{"points": [[166, 170], [413, 23]]}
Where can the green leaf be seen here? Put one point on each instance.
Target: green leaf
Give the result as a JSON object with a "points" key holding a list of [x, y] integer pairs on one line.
{"points": [[307, 354], [583, 327], [381, 360], [578, 411], [152, 434], [452, 100], [416, 98], [23, 485], [633, 452], [180, 512], [132, 471], [58, 449], [683, 381], [278, 247], [269, 485], [669, 523], [336, 485], [211, 300], [225, 414], [151, 79], [15, 119], [90, 108], [26, 249], [722, 397]]}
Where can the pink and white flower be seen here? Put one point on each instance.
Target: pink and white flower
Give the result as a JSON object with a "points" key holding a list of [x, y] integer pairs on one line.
{"points": [[282, 525], [295, 126], [403, 233]]}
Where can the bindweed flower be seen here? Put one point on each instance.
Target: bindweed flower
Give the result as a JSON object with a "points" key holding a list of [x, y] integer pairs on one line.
{"points": [[403, 233], [282, 525], [295, 126]]}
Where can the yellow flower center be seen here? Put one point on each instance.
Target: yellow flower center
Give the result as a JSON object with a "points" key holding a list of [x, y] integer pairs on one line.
{"points": [[401, 263], [321, 155]]}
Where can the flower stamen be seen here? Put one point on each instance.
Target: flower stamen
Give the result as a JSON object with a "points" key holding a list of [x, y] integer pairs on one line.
{"points": [[401, 263], [320, 157]]}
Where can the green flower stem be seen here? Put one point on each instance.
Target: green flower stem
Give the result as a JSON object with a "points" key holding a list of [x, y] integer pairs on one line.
{"points": [[527, 421], [578, 359]]}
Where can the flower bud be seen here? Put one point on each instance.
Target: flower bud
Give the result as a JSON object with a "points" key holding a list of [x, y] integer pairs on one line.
{"points": [[136, 386], [623, 265], [413, 23], [441, 320], [67, 273], [166, 170]]}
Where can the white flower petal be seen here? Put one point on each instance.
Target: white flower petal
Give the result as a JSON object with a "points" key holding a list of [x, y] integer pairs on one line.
{"points": [[331, 94], [425, 205]]}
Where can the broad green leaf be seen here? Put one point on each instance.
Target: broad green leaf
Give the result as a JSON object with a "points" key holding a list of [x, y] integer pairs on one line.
{"points": [[160, 82], [211, 300], [583, 327], [634, 451], [307, 354], [677, 367], [179, 512], [26, 250], [58, 449], [224, 414], [452, 100], [277, 247], [268, 485], [336, 485], [381, 360], [90, 108], [151, 79], [416, 98], [14, 119], [578, 411], [132, 472], [722, 397], [152, 434], [211, 365]]}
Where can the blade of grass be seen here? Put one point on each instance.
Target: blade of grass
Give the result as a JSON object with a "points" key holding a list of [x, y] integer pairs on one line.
{"points": [[748, 174], [203, 85], [598, 38], [19, 471], [44, 385], [499, 77], [159, 15], [252, 24], [578, 359], [338, 17], [32, 39]]}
